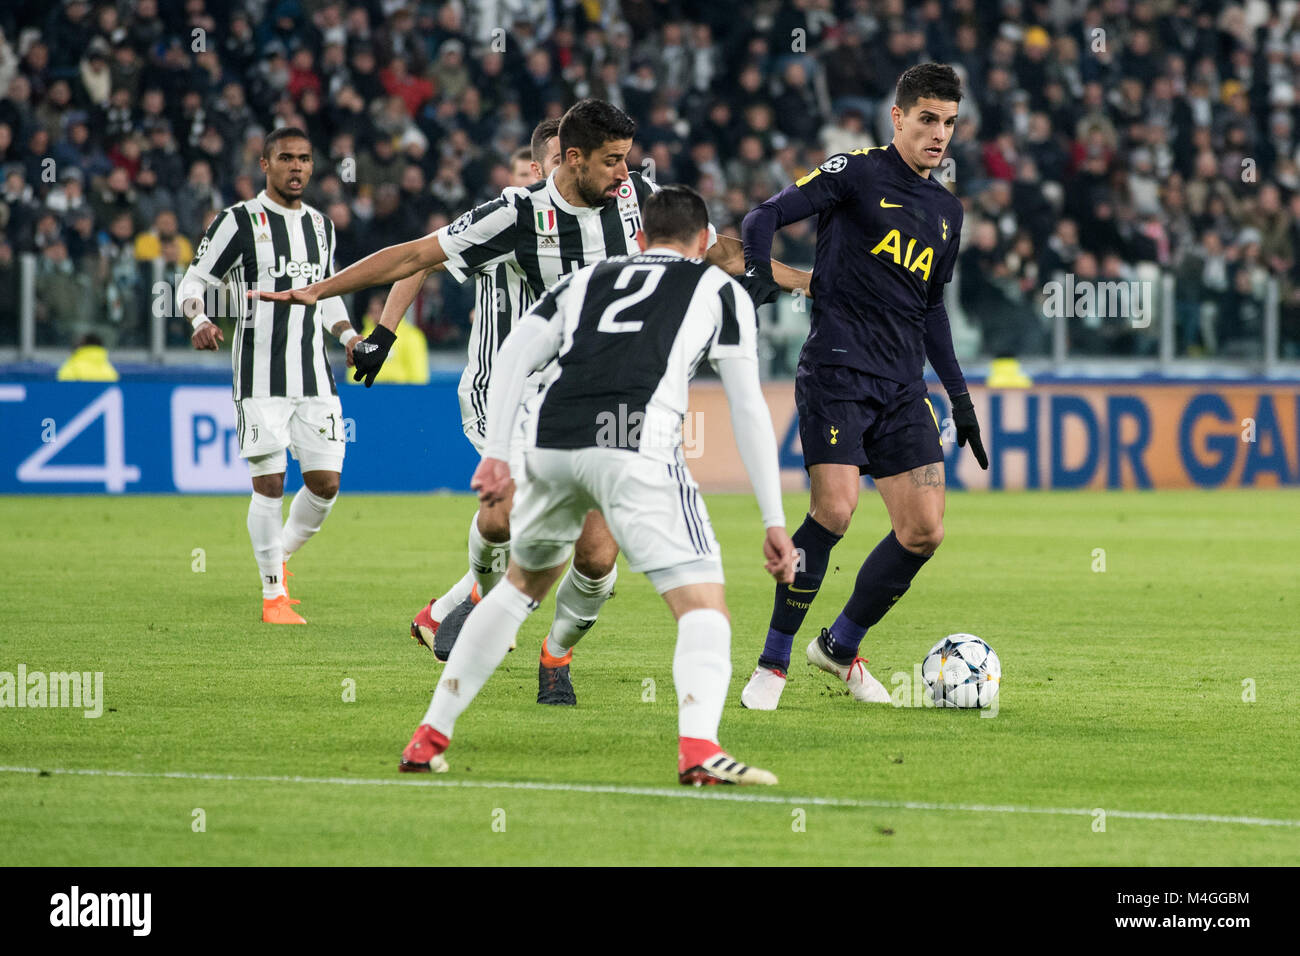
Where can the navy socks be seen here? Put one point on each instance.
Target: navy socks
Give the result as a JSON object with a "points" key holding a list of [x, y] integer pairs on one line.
{"points": [[814, 544], [883, 578]]}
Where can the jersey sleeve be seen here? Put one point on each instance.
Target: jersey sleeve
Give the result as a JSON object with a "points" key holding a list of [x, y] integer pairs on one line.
{"points": [[481, 238], [736, 335], [218, 250], [215, 257], [832, 182], [734, 353], [824, 187]]}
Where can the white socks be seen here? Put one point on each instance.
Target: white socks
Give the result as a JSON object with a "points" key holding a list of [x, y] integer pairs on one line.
{"points": [[484, 642], [488, 560], [458, 593], [578, 601], [701, 672], [306, 513], [268, 544]]}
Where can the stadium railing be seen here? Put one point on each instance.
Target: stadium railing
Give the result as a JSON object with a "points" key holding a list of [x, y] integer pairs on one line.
{"points": [[1150, 323]]}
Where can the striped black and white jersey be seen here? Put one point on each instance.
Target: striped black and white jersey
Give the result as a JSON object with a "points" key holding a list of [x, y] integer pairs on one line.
{"points": [[501, 297], [629, 334], [278, 348], [521, 244]]}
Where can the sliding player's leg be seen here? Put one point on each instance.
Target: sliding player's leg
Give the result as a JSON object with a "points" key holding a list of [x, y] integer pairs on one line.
{"points": [[485, 640], [578, 600], [439, 623], [833, 499]]}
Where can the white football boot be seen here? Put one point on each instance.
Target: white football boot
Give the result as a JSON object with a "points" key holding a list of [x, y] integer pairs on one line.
{"points": [[862, 685], [763, 692]]}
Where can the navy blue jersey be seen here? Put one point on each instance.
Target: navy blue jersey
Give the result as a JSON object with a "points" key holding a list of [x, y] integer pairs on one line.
{"points": [[886, 244]]}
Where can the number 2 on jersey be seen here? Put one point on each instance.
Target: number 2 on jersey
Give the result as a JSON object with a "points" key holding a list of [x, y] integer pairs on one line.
{"points": [[609, 322]]}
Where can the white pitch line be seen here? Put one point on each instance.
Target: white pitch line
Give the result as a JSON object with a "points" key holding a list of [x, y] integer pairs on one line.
{"points": [[726, 796]]}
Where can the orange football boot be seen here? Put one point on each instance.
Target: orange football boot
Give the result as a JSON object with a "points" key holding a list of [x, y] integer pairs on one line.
{"points": [[285, 575], [277, 611]]}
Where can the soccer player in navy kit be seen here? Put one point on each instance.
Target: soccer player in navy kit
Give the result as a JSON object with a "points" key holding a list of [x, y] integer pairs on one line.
{"points": [[887, 237]]}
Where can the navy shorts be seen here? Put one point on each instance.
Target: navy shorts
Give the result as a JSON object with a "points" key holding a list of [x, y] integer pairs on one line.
{"points": [[847, 417]]}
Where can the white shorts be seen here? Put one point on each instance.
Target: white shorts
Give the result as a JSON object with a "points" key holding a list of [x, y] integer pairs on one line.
{"points": [[518, 441], [311, 427], [653, 509]]}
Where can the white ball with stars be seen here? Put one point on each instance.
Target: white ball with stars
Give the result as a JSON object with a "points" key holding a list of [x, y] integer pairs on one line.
{"points": [[962, 671]]}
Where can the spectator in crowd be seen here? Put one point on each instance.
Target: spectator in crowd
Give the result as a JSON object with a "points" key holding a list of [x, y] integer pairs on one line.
{"points": [[88, 362], [1178, 128], [64, 297], [8, 292], [153, 243]]}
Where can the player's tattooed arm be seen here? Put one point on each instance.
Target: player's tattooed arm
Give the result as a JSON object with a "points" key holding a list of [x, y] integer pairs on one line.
{"points": [[728, 253], [340, 330], [927, 476]]}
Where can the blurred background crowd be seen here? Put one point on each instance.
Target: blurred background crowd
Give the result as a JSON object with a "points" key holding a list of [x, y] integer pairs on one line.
{"points": [[1110, 141]]}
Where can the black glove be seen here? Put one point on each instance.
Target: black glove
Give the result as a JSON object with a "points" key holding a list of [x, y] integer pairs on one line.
{"points": [[968, 427], [760, 285], [368, 356]]}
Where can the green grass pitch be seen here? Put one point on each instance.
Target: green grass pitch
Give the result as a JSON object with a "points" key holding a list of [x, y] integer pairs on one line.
{"points": [[1162, 691]]}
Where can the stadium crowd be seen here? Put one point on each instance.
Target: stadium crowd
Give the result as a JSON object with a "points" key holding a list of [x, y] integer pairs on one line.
{"points": [[1095, 136]]}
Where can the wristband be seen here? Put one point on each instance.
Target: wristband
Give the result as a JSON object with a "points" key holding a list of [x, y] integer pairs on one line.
{"points": [[199, 320], [348, 335]]}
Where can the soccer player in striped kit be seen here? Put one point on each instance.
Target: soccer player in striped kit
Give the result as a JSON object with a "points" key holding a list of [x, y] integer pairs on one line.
{"points": [[284, 391], [626, 333], [587, 210]]}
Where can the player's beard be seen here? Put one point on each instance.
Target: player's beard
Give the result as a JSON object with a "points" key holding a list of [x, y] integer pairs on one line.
{"points": [[588, 191]]}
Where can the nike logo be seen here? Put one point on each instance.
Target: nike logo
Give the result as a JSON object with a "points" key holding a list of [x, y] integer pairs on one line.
{"points": [[749, 273], [889, 205]]}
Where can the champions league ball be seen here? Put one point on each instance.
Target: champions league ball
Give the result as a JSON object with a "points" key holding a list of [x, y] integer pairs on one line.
{"points": [[962, 671]]}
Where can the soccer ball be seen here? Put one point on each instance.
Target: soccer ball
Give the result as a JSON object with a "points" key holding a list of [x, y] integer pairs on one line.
{"points": [[962, 671]]}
